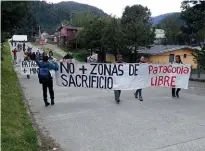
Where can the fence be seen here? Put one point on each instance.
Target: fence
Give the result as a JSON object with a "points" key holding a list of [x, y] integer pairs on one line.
{"points": [[197, 74]]}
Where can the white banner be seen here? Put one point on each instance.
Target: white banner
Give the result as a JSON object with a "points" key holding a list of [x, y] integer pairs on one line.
{"points": [[122, 76], [19, 37], [29, 68]]}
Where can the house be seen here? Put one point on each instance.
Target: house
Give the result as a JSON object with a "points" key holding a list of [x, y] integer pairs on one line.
{"points": [[48, 35], [167, 53], [164, 54], [67, 35], [159, 36]]}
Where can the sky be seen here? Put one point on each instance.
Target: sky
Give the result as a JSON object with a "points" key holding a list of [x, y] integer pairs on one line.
{"points": [[116, 7]]}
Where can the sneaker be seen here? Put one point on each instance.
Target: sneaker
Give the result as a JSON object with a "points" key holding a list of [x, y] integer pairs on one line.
{"points": [[173, 96], [177, 95], [135, 95], [47, 104], [118, 101], [140, 98]]}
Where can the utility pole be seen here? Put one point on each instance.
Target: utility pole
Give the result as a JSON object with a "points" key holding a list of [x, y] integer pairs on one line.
{"points": [[39, 32]]}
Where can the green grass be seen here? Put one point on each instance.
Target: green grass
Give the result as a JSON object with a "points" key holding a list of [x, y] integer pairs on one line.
{"points": [[35, 43], [78, 54], [63, 49], [17, 131], [56, 55], [72, 50]]}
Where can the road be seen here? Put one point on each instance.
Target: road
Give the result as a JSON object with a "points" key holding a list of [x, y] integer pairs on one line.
{"points": [[90, 120]]}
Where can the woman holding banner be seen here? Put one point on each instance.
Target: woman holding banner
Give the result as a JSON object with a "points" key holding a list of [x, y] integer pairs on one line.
{"points": [[139, 91], [175, 91]]}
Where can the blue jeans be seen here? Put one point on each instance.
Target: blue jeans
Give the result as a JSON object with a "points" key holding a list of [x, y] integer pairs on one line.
{"points": [[139, 91]]}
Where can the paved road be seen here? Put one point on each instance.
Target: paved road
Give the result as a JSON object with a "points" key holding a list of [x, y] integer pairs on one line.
{"points": [[54, 48], [89, 119]]}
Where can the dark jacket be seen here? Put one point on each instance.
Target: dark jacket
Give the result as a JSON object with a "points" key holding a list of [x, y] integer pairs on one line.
{"points": [[50, 65]]}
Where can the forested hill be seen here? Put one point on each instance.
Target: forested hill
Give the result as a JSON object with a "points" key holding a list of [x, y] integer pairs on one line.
{"points": [[158, 19], [50, 15]]}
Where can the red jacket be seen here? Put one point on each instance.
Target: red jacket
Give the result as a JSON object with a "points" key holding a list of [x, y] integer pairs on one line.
{"points": [[14, 51]]}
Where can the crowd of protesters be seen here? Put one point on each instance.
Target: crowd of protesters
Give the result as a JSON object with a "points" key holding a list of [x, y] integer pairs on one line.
{"points": [[46, 63]]}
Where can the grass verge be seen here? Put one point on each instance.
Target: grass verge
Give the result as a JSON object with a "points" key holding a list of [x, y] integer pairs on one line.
{"points": [[78, 54], [35, 43], [17, 131], [56, 55]]}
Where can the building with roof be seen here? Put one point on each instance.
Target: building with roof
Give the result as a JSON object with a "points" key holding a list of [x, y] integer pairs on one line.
{"points": [[167, 53], [164, 54], [160, 36], [67, 35]]}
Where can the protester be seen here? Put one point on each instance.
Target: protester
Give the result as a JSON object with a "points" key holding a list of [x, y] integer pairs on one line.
{"points": [[44, 53], [67, 56], [29, 49], [19, 46], [175, 91], [33, 56], [45, 77], [38, 52], [119, 59], [27, 57], [24, 46], [139, 91], [11, 41], [14, 54], [50, 55]]}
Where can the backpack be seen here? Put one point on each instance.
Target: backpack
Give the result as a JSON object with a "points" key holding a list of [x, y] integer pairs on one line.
{"points": [[44, 75]]}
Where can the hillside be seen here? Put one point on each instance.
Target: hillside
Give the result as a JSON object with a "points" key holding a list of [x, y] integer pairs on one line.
{"points": [[50, 15], [157, 19]]}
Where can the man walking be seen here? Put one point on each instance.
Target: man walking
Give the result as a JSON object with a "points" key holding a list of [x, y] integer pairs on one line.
{"points": [[45, 77], [119, 59]]}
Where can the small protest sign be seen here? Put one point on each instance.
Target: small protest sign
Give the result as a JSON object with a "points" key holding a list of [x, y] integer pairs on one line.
{"points": [[29, 68]]}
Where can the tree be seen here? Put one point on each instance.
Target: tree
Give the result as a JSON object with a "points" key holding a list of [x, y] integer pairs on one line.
{"points": [[112, 37], [90, 37], [12, 14], [194, 18], [50, 15], [28, 25], [199, 56], [194, 29], [65, 22], [172, 27], [83, 18], [137, 27]]}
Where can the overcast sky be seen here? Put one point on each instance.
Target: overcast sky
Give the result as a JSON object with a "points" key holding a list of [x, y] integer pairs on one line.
{"points": [[115, 7]]}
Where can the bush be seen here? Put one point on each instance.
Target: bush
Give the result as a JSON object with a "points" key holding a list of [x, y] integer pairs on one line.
{"points": [[81, 56]]}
